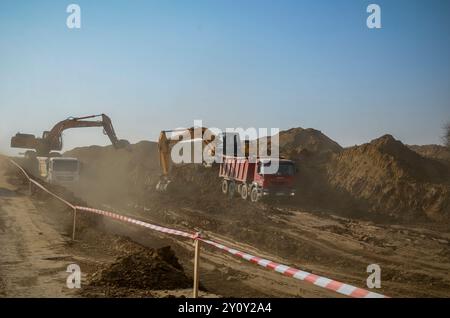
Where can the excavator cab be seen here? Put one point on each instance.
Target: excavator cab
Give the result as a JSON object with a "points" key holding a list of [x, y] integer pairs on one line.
{"points": [[23, 141]]}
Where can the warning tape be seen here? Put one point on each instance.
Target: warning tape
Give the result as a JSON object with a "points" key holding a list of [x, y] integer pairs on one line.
{"points": [[320, 281], [52, 194], [20, 168], [333, 285], [41, 186], [137, 222]]}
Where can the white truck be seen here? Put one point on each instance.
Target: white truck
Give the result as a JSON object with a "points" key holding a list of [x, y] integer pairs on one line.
{"points": [[59, 170]]}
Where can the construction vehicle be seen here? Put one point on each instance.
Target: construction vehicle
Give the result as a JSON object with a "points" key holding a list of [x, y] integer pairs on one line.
{"points": [[52, 140], [214, 145], [254, 179], [241, 172], [59, 170]]}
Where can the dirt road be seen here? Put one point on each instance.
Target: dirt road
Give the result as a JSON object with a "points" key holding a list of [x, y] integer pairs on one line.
{"points": [[36, 247], [32, 255]]}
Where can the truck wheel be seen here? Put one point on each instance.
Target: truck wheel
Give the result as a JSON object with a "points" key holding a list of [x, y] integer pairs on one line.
{"points": [[244, 192], [254, 196], [224, 186]]}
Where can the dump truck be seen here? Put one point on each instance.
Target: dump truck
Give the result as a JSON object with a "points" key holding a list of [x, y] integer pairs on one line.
{"points": [[59, 170], [253, 178]]}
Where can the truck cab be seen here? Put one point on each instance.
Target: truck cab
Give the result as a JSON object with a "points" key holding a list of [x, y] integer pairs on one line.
{"points": [[275, 183], [61, 170]]}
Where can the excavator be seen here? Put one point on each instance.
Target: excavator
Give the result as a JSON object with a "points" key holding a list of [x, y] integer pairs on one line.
{"points": [[167, 139], [241, 170], [52, 140], [216, 145]]}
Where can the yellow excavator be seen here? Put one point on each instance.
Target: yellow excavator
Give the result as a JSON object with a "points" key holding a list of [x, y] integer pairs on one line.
{"points": [[167, 139], [216, 145], [225, 143], [52, 140]]}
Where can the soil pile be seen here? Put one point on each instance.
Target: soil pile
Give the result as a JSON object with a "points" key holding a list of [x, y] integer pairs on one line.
{"points": [[298, 140], [380, 178], [432, 151], [148, 269], [389, 178]]}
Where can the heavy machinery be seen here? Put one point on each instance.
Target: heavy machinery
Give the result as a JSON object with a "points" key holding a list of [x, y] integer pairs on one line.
{"points": [[216, 145], [52, 140], [59, 170], [254, 179], [240, 172]]}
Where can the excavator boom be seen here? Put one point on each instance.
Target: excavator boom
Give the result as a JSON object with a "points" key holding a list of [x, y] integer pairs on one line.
{"points": [[52, 140]]}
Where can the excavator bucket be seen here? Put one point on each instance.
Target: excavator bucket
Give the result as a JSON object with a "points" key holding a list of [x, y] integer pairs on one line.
{"points": [[122, 144]]}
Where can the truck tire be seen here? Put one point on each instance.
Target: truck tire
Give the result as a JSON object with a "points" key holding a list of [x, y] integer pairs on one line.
{"points": [[254, 196], [224, 186], [244, 192]]}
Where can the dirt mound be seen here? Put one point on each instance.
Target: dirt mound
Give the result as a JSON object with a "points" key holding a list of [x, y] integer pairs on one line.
{"points": [[432, 151], [383, 177], [389, 178], [297, 140], [148, 269]]}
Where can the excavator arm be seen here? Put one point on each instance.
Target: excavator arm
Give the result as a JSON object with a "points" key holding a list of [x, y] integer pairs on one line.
{"points": [[52, 140], [165, 143]]}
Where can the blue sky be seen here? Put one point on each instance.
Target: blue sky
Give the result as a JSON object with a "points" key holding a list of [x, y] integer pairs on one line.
{"points": [[154, 65]]}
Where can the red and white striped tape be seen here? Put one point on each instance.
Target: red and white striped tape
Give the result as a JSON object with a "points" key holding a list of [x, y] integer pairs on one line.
{"points": [[41, 186], [52, 194], [137, 222], [20, 168], [320, 281]]}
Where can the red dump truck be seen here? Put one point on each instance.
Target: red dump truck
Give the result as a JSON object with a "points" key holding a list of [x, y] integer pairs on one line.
{"points": [[254, 178]]}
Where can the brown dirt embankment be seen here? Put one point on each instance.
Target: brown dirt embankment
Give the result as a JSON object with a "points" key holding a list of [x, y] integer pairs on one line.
{"points": [[390, 179], [383, 178], [432, 151]]}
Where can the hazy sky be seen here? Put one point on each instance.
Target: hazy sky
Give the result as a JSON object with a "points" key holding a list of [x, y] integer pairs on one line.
{"points": [[155, 65]]}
